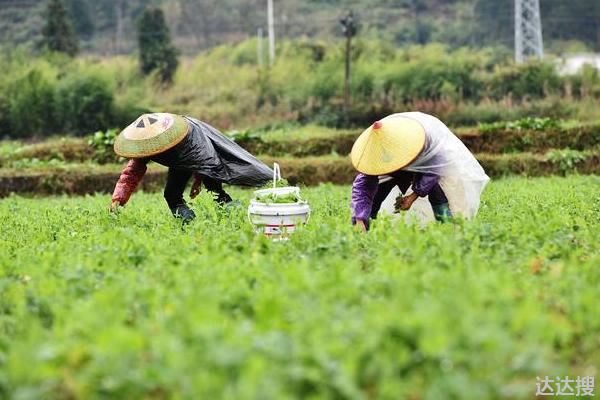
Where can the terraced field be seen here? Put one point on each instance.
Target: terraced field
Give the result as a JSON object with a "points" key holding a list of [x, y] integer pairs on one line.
{"points": [[308, 154]]}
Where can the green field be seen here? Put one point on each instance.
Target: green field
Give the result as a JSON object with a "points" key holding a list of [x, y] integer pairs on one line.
{"points": [[135, 306]]}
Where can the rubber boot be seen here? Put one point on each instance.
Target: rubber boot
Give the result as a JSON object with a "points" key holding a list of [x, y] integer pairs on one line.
{"points": [[184, 212], [442, 212], [222, 198]]}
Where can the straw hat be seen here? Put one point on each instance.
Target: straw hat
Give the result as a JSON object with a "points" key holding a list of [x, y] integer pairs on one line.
{"points": [[151, 134], [388, 145]]}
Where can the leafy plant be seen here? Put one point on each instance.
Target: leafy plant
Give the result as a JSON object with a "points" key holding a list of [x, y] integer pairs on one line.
{"points": [[243, 135], [273, 197], [103, 142], [278, 183], [132, 306], [269, 198], [566, 159], [528, 123]]}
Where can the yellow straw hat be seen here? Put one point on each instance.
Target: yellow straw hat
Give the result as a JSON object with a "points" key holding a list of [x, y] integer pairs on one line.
{"points": [[151, 134], [388, 145]]}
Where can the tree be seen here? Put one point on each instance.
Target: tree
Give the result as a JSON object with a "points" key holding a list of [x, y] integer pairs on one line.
{"points": [[198, 20], [81, 14], [58, 34], [157, 53], [349, 29], [422, 30], [573, 20]]}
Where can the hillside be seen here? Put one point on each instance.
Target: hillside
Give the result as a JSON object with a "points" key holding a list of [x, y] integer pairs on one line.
{"points": [[108, 26]]}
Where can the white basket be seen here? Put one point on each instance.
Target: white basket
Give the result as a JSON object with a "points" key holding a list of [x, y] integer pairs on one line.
{"points": [[278, 219]]}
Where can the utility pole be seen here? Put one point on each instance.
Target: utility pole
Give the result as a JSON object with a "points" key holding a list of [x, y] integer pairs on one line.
{"points": [[528, 30], [259, 47], [349, 29], [271, 23]]}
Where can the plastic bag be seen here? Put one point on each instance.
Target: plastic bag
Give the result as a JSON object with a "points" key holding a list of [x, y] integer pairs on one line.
{"points": [[420, 211], [208, 152], [461, 177]]}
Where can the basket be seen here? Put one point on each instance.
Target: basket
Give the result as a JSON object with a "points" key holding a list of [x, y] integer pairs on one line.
{"points": [[277, 219]]}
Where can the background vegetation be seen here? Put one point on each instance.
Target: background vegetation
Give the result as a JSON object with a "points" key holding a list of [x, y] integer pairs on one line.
{"points": [[108, 26], [450, 59], [51, 93]]}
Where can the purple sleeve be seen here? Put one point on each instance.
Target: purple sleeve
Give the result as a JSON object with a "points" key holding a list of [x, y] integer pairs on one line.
{"points": [[364, 189], [423, 184]]}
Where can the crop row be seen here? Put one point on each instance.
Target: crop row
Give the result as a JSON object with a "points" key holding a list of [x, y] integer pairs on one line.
{"points": [[133, 306], [495, 142], [501, 141], [310, 171]]}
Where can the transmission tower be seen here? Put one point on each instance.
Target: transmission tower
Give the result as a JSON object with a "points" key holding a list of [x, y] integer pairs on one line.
{"points": [[528, 30]]}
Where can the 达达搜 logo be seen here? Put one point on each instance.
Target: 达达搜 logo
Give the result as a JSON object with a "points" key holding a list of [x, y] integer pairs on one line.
{"points": [[581, 386]]}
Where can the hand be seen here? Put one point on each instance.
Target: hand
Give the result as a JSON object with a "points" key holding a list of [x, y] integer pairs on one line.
{"points": [[114, 207], [195, 190], [361, 224], [406, 202]]}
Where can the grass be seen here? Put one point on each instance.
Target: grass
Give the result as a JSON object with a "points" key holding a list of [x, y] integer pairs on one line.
{"points": [[132, 306]]}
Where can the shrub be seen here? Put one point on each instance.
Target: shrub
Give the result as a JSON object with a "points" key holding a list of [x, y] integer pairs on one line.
{"points": [[428, 72], [535, 79], [85, 103], [459, 86], [587, 82], [327, 83], [469, 114], [245, 53], [31, 105], [125, 112]]}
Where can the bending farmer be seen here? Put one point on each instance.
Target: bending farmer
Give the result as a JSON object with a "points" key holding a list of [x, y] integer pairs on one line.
{"points": [[189, 148], [417, 151]]}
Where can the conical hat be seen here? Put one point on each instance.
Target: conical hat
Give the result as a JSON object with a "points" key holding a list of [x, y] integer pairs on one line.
{"points": [[151, 134], [388, 145]]}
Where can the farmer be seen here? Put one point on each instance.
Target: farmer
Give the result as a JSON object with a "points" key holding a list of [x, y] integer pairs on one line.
{"points": [[189, 147], [414, 150]]}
